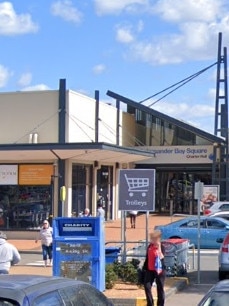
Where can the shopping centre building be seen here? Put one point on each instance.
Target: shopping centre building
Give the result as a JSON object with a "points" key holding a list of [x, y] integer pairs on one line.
{"points": [[56, 138]]}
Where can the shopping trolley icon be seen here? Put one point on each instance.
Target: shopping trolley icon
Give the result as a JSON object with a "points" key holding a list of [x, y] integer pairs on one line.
{"points": [[137, 184]]}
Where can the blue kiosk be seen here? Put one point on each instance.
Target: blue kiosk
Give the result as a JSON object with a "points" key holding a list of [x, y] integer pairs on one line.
{"points": [[79, 249]]}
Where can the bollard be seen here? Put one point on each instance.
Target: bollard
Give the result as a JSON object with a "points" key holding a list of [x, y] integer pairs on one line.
{"points": [[175, 264]]}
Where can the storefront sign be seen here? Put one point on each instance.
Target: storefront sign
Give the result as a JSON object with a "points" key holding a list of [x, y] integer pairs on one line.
{"points": [[8, 174], [210, 195], [35, 174], [137, 189], [180, 155]]}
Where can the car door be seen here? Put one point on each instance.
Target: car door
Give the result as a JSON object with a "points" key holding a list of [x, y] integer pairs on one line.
{"points": [[224, 207], [215, 229], [189, 230]]}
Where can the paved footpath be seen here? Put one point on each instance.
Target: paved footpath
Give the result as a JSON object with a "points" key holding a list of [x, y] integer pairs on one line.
{"points": [[112, 233]]}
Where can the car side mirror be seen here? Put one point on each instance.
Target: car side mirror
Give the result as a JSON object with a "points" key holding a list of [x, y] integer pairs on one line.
{"points": [[219, 240]]}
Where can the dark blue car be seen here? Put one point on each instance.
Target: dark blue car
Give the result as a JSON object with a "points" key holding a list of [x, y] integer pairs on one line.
{"points": [[34, 290]]}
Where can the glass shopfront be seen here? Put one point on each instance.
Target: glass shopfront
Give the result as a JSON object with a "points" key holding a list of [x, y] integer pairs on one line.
{"points": [[104, 189], [25, 195], [24, 206], [82, 178], [175, 187], [81, 188]]}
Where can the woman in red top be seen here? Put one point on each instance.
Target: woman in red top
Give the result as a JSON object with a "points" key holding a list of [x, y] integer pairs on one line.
{"points": [[154, 269]]}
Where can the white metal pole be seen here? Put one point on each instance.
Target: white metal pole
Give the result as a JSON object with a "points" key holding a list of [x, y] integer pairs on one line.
{"points": [[198, 244]]}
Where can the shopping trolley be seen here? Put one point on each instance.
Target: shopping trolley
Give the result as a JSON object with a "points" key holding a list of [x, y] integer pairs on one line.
{"points": [[176, 256], [137, 184]]}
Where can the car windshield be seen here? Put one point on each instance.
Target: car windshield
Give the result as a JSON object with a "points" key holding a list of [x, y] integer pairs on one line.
{"points": [[217, 299]]}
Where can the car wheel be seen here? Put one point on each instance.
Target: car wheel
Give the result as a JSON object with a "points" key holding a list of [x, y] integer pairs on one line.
{"points": [[222, 275]]}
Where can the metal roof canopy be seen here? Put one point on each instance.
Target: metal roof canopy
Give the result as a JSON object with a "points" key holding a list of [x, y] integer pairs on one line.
{"points": [[82, 152], [153, 112]]}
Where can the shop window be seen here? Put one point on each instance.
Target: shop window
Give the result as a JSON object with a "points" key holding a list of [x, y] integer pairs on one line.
{"points": [[24, 207], [104, 189], [81, 188]]}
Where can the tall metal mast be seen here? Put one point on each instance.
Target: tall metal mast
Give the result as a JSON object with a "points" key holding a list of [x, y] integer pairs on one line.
{"points": [[220, 168]]}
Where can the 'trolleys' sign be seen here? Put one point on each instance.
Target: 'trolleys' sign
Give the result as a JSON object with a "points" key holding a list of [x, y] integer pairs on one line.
{"points": [[137, 189]]}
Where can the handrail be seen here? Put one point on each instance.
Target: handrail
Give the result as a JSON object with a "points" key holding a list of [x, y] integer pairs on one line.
{"points": [[124, 255]]}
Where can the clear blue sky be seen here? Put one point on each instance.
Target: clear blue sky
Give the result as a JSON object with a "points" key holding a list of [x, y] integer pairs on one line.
{"points": [[133, 47]]}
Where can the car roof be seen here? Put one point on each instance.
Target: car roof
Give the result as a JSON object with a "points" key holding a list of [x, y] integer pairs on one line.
{"points": [[17, 286], [220, 202], [224, 212], [194, 218]]}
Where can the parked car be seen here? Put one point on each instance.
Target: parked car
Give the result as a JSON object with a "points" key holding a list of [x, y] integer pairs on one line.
{"points": [[27, 290], [223, 257], [221, 214], [216, 206], [218, 295], [211, 229]]}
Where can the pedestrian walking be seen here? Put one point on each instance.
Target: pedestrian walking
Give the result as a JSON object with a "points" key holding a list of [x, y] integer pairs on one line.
{"points": [[133, 216], [9, 254], [154, 269], [86, 213], [100, 211], [45, 235]]}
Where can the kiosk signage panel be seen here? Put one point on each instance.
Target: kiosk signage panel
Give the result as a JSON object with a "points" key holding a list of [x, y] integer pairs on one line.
{"points": [[79, 249]]}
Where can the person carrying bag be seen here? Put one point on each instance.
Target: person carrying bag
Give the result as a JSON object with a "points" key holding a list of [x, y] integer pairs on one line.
{"points": [[154, 269]]}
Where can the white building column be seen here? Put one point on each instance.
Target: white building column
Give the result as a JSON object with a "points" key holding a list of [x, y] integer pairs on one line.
{"points": [[68, 185]]}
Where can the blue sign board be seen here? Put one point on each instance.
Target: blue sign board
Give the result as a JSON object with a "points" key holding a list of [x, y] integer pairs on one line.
{"points": [[79, 249], [137, 189]]}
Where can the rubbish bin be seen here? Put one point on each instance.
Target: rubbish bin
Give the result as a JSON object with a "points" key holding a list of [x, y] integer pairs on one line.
{"points": [[111, 254]]}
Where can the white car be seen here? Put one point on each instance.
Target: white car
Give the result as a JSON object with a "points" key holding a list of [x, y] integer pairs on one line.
{"points": [[223, 257], [221, 214], [217, 206]]}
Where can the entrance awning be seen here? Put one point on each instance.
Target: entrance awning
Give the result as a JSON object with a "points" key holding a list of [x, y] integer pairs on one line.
{"points": [[82, 152]]}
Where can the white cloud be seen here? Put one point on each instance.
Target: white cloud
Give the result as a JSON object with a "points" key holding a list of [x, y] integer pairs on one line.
{"points": [[99, 69], [66, 10], [199, 115], [140, 26], [117, 6], [13, 24], [185, 110], [188, 10], [193, 35], [25, 79], [37, 87], [5, 74], [124, 35]]}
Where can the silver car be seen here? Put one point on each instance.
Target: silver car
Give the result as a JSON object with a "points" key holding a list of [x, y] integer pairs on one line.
{"points": [[223, 257]]}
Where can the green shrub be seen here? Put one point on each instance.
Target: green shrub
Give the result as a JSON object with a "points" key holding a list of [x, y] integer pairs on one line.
{"points": [[110, 276], [127, 272]]}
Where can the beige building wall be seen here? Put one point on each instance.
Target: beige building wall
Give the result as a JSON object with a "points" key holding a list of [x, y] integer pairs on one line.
{"points": [[127, 130], [80, 118], [107, 123], [24, 113]]}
